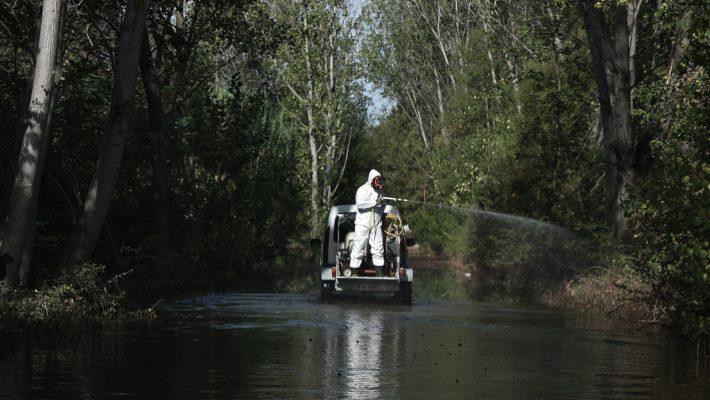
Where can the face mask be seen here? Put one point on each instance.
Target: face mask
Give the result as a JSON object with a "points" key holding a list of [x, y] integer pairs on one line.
{"points": [[378, 183]]}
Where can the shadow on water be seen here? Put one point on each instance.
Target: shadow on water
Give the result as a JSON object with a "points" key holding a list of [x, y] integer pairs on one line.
{"points": [[274, 346]]}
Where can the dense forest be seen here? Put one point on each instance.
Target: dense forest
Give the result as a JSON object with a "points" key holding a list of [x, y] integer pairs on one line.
{"points": [[156, 147]]}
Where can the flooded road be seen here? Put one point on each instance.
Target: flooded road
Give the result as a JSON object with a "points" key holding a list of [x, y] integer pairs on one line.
{"points": [[275, 346]]}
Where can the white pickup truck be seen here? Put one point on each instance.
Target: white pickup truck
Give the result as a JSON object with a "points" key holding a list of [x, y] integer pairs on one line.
{"points": [[336, 277]]}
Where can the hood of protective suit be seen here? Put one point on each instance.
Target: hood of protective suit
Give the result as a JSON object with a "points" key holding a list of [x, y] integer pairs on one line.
{"points": [[372, 175]]}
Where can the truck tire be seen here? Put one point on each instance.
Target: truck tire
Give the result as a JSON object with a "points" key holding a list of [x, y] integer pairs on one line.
{"points": [[405, 293], [326, 291]]}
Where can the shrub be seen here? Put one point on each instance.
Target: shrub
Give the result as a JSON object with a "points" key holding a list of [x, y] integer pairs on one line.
{"points": [[74, 298], [670, 214]]}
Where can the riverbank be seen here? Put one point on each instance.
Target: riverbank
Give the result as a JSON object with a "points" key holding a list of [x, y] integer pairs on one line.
{"points": [[63, 307], [71, 303], [614, 292]]}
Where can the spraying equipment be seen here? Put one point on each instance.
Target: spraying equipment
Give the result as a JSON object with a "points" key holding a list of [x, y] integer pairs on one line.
{"points": [[336, 276]]}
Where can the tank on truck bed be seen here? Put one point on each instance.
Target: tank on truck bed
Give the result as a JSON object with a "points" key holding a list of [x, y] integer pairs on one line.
{"points": [[337, 278]]}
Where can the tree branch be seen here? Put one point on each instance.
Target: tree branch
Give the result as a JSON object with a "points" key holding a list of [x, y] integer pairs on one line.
{"points": [[298, 96]]}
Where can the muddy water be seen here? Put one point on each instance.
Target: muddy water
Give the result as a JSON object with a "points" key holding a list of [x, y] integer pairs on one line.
{"points": [[275, 346]]}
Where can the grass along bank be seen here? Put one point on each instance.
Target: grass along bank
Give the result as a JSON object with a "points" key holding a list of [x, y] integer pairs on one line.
{"points": [[64, 306]]}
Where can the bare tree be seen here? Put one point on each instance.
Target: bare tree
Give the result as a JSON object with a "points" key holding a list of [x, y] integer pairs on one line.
{"points": [[120, 120], [156, 115], [19, 223]]}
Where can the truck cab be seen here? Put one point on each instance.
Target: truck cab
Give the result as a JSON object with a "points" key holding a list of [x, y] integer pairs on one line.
{"points": [[336, 277]]}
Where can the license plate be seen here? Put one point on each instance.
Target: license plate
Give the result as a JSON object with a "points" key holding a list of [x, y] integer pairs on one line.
{"points": [[374, 287]]}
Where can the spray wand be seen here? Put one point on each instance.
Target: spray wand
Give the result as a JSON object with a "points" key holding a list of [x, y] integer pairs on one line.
{"points": [[438, 205], [426, 203], [397, 199]]}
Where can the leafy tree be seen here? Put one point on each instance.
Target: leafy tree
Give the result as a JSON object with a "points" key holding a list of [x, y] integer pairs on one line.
{"points": [[316, 65]]}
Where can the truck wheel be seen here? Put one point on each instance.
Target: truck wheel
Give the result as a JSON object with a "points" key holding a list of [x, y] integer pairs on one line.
{"points": [[326, 291], [405, 293]]}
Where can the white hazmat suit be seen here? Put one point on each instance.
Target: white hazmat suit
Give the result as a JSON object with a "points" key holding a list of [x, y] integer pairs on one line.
{"points": [[368, 224]]}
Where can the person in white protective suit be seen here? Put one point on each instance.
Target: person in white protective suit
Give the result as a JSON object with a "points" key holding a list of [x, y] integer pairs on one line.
{"points": [[368, 222]]}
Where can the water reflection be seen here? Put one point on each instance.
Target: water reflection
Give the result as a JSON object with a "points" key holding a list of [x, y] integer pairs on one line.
{"points": [[361, 354], [364, 340]]}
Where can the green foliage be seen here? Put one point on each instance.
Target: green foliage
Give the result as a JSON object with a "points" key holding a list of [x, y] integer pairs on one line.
{"points": [[670, 214], [515, 128], [439, 285], [63, 304], [516, 133], [236, 197], [320, 94], [495, 109], [522, 259]]}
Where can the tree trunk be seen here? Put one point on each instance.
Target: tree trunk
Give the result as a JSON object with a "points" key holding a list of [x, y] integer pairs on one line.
{"points": [[329, 125], [557, 46], [439, 97], [120, 118], [516, 88], [156, 115], [610, 59], [633, 11], [418, 115], [34, 143], [624, 141], [28, 251], [312, 146], [26, 259], [490, 55], [14, 141]]}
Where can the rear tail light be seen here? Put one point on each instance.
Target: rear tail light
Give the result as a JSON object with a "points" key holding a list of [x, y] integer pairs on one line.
{"points": [[332, 272], [401, 273]]}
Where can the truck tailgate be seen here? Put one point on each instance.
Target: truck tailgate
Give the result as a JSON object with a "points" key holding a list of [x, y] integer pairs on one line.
{"points": [[368, 284]]}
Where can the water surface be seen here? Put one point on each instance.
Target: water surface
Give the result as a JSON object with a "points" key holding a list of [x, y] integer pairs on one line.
{"points": [[276, 346]]}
